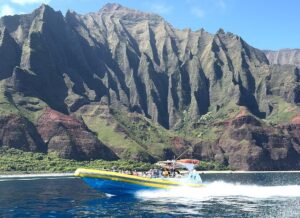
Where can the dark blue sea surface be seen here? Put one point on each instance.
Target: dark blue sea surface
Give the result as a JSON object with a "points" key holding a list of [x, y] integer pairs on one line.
{"points": [[225, 195]]}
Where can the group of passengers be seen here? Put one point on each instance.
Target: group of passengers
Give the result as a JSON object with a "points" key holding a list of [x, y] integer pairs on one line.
{"points": [[171, 173], [153, 173]]}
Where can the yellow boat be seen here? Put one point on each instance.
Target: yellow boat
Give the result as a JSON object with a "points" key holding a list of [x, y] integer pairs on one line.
{"points": [[121, 184]]}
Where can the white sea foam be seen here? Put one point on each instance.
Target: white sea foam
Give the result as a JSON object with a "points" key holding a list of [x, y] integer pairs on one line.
{"points": [[222, 189], [34, 176]]}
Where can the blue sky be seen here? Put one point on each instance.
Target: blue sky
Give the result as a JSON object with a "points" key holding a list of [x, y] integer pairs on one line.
{"points": [[264, 24]]}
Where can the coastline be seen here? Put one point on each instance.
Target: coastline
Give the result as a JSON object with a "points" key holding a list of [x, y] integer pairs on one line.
{"points": [[244, 172], [10, 175], [20, 175]]}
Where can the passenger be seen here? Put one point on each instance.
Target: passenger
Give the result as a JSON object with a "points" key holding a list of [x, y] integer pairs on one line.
{"points": [[166, 173], [159, 173], [135, 173], [177, 173], [151, 173]]}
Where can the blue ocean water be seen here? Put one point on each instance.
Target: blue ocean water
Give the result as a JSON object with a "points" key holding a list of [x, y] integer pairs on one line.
{"points": [[225, 195]]}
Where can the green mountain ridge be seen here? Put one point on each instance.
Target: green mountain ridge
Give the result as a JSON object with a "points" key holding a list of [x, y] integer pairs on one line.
{"points": [[120, 83]]}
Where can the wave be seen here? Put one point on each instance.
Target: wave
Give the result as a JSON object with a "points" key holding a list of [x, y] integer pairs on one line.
{"points": [[223, 189]]}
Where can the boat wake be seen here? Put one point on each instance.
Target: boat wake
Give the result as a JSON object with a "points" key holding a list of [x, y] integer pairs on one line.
{"points": [[220, 189]]}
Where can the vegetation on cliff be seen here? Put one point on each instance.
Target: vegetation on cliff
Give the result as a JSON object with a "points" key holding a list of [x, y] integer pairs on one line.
{"points": [[17, 161], [123, 84], [14, 160]]}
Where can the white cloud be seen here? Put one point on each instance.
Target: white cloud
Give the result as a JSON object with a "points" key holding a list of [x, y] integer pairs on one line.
{"points": [[6, 10], [28, 2], [161, 8], [198, 12]]}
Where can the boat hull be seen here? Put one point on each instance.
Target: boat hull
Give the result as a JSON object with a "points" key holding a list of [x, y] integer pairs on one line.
{"points": [[116, 187], [123, 184]]}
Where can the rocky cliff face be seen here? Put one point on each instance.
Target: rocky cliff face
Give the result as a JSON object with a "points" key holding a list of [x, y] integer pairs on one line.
{"points": [[249, 144], [18, 132], [284, 56], [138, 65], [70, 137]]}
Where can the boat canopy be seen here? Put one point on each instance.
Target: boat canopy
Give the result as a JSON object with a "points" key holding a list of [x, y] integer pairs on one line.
{"points": [[188, 164]]}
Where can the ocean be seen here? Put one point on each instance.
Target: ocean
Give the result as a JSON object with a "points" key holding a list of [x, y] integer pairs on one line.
{"points": [[225, 195]]}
